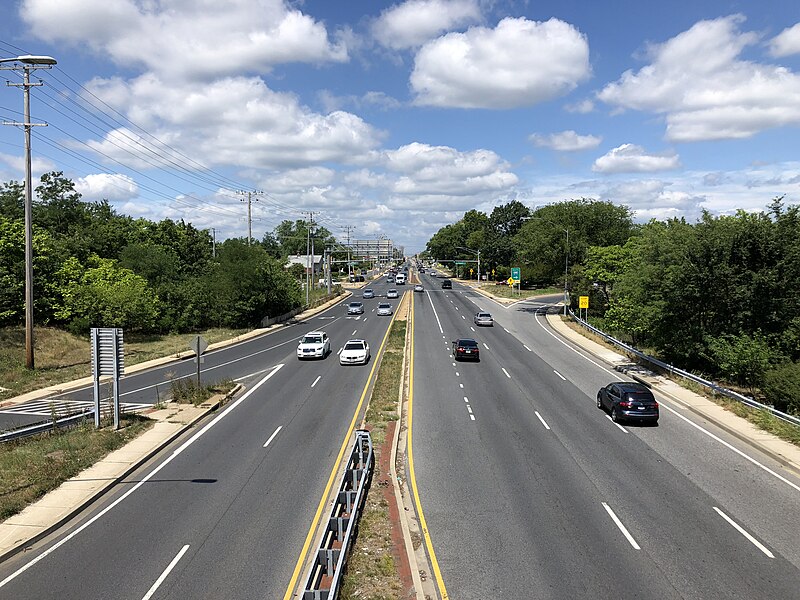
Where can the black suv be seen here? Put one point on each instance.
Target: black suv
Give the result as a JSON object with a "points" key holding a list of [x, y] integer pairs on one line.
{"points": [[627, 400], [466, 348], [447, 284]]}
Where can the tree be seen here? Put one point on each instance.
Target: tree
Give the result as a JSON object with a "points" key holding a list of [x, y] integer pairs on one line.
{"points": [[105, 295], [293, 237], [12, 200]]}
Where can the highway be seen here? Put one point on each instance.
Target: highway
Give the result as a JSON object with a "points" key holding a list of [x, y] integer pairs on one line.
{"points": [[529, 491], [223, 512]]}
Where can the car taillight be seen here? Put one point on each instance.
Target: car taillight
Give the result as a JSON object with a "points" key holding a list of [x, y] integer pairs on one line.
{"points": [[626, 404], [460, 349]]}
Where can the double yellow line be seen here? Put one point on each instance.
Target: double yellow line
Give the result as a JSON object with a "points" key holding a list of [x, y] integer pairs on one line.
{"points": [[345, 444], [347, 440]]}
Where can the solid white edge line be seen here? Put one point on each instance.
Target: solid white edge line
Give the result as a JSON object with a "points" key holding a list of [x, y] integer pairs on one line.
{"points": [[680, 416], [143, 480], [506, 372], [559, 374], [166, 572], [621, 428], [622, 528], [316, 380], [730, 447], [738, 528], [272, 437], [546, 426]]}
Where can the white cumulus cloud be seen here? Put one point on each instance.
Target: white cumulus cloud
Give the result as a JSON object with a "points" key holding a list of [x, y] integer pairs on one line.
{"points": [[786, 42], [518, 63], [630, 158], [107, 186], [414, 22], [187, 40], [565, 141], [704, 89]]}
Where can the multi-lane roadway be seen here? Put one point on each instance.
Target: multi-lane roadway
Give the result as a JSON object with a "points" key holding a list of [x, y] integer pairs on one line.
{"points": [[530, 491], [225, 511], [527, 489]]}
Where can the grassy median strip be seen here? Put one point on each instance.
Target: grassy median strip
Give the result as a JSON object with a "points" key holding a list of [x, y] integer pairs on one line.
{"points": [[34, 466], [371, 572]]}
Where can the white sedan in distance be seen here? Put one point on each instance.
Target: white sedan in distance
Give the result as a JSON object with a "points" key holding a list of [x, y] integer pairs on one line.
{"points": [[354, 352], [384, 309]]}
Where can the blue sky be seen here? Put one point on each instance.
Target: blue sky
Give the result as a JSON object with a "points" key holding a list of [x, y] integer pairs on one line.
{"points": [[396, 118]]}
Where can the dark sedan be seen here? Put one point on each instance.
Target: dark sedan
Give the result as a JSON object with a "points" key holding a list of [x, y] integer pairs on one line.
{"points": [[466, 348], [628, 401]]}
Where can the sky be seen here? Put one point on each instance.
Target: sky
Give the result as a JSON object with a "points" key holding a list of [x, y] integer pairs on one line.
{"points": [[394, 118]]}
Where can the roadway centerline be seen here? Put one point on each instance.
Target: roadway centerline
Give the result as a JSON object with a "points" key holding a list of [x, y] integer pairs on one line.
{"points": [[741, 530], [166, 572], [622, 528], [272, 437], [316, 380]]}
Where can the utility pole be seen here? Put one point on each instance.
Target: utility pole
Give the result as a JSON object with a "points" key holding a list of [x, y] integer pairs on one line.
{"points": [[29, 63], [249, 212], [308, 248], [213, 242], [348, 229]]}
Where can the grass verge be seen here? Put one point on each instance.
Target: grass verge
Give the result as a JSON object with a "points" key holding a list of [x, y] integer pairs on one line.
{"points": [[761, 419], [62, 356], [33, 466], [372, 572]]}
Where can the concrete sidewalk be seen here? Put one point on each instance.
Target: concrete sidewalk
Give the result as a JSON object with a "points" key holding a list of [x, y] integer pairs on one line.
{"points": [[61, 504], [784, 452], [57, 507]]}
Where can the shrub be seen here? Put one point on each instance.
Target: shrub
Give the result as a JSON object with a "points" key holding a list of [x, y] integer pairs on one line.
{"points": [[782, 387]]}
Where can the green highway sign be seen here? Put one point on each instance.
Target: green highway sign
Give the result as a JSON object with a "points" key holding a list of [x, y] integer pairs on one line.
{"points": [[460, 262], [515, 274]]}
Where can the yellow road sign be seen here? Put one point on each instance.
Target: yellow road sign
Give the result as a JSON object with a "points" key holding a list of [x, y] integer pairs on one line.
{"points": [[583, 301], [510, 281]]}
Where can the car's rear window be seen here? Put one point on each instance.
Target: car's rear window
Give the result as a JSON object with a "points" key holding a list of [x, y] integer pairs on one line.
{"points": [[384, 306], [312, 339], [640, 397], [468, 343], [484, 315], [355, 304], [354, 346]]}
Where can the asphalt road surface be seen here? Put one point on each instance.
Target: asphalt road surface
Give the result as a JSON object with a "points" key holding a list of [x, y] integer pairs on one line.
{"points": [[223, 512], [530, 491]]}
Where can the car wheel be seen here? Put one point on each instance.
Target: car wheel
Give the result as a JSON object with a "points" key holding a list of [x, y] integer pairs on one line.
{"points": [[614, 414], [599, 403]]}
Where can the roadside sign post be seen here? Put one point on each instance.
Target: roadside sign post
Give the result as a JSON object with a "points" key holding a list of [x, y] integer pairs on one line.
{"points": [[108, 358], [515, 275], [199, 345], [583, 304]]}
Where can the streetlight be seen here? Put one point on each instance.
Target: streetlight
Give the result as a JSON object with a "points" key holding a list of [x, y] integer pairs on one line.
{"points": [[566, 258], [478, 252], [28, 63]]}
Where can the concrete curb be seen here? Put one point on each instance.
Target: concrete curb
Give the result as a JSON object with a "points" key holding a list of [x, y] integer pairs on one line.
{"points": [[94, 496]]}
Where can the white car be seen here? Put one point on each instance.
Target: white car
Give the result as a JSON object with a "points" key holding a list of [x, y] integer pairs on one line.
{"points": [[392, 293], [314, 344], [384, 309], [354, 352], [419, 288]]}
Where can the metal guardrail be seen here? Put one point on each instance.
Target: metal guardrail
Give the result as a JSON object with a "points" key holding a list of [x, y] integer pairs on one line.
{"points": [[687, 375], [30, 430], [330, 558]]}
